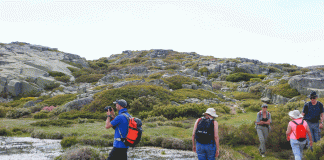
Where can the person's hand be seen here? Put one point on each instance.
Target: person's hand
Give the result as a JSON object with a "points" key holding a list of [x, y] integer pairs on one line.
{"points": [[321, 126], [194, 148], [217, 153], [288, 138], [311, 143], [112, 112], [108, 113]]}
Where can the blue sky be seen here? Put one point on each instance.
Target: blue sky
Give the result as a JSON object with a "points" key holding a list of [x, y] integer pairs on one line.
{"points": [[278, 31]]}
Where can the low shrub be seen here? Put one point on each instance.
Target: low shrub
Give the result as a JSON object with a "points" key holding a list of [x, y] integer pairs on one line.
{"points": [[5, 132], [59, 122], [63, 78], [172, 67], [51, 86], [237, 77], [40, 115], [68, 142], [81, 152], [4, 111], [182, 94], [128, 93], [59, 99], [144, 103], [153, 119], [212, 75], [151, 125], [175, 124], [255, 107], [45, 135], [179, 119], [156, 75], [82, 114], [317, 153], [17, 113], [246, 95], [175, 82], [284, 90], [56, 74], [89, 78]]}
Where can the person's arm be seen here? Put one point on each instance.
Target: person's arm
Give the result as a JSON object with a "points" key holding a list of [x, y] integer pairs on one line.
{"points": [[216, 138], [310, 136], [288, 132], [268, 121], [258, 120], [321, 123], [193, 136]]}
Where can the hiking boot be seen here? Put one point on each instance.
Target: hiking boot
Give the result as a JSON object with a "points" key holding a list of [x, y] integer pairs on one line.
{"points": [[263, 155]]}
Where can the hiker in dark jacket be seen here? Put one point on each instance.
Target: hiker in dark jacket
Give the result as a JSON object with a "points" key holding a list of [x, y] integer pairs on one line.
{"points": [[313, 113], [120, 123], [205, 140], [263, 127], [297, 145]]}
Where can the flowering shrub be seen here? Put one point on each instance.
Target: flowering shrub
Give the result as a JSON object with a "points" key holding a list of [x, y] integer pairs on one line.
{"points": [[50, 108]]}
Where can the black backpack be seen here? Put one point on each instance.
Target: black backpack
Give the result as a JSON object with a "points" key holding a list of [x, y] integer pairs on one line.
{"points": [[205, 130]]}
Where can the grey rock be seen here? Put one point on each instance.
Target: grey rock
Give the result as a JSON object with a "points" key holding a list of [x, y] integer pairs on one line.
{"points": [[14, 87], [277, 99], [138, 70], [225, 89], [27, 87], [312, 81], [159, 82], [77, 104], [109, 79], [121, 84], [29, 104], [206, 87], [175, 103], [33, 72], [266, 100]]}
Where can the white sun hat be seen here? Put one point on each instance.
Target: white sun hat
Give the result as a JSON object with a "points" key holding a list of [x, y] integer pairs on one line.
{"points": [[295, 114], [212, 112]]}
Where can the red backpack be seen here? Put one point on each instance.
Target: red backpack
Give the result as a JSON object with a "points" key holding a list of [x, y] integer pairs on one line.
{"points": [[300, 132], [134, 133]]}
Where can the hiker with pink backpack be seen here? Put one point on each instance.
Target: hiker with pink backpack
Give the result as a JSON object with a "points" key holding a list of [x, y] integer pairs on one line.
{"points": [[296, 133]]}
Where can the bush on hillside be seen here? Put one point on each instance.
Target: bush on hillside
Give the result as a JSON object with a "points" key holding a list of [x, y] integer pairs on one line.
{"points": [[175, 82], [257, 89], [144, 103], [68, 142], [51, 86], [172, 67], [38, 107], [237, 77], [284, 90], [5, 132], [203, 70], [213, 75], [246, 95], [56, 74], [156, 75], [185, 110], [17, 113], [317, 153], [89, 78], [82, 114], [128, 93], [72, 69], [182, 94], [4, 110], [59, 99], [64, 79], [40, 115], [58, 122], [295, 73], [81, 152]]}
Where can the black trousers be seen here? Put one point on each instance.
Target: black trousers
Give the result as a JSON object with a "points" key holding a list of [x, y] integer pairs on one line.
{"points": [[118, 154]]}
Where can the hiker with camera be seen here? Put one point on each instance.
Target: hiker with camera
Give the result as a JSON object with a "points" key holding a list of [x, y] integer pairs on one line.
{"points": [[205, 140], [296, 133], [313, 113], [263, 127], [119, 151]]}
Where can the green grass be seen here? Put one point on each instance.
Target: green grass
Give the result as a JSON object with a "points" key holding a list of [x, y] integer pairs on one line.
{"points": [[239, 119], [254, 152]]}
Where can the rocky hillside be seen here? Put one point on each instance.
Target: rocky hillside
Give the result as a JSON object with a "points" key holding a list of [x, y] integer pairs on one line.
{"points": [[34, 70]]}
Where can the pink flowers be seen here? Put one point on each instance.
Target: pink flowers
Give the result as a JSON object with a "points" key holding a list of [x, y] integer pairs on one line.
{"points": [[50, 108]]}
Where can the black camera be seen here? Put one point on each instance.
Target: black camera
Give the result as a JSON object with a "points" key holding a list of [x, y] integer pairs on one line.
{"points": [[108, 108]]}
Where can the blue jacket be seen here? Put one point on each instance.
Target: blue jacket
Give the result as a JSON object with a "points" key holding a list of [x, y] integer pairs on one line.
{"points": [[121, 123]]}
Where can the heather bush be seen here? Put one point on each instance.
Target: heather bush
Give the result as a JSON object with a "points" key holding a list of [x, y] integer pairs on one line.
{"points": [[129, 93], [317, 153], [237, 77], [51, 86], [56, 74], [182, 94], [213, 75], [81, 153], [156, 75], [4, 111], [63, 78], [82, 114], [246, 95], [59, 122], [172, 67], [68, 142], [49, 108], [17, 113], [45, 135], [40, 115], [89, 78], [179, 119], [175, 82], [153, 119], [144, 103], [284, 90], [59, 99], [5, 132], [38, 107]]}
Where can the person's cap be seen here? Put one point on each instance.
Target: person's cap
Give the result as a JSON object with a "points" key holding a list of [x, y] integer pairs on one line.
{"points": [[211, 111], [312, 94], [264, 105], [121, 102], [295, 114]]}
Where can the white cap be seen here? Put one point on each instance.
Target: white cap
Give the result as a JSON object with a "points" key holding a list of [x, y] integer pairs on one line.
{"points": [[212, 112]]}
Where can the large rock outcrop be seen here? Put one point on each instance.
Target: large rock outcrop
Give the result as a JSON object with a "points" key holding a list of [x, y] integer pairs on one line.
{"points": [[311, 81]]}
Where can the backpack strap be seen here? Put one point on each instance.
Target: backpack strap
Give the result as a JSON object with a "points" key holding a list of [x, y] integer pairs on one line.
{"points": [[127, 117]]}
